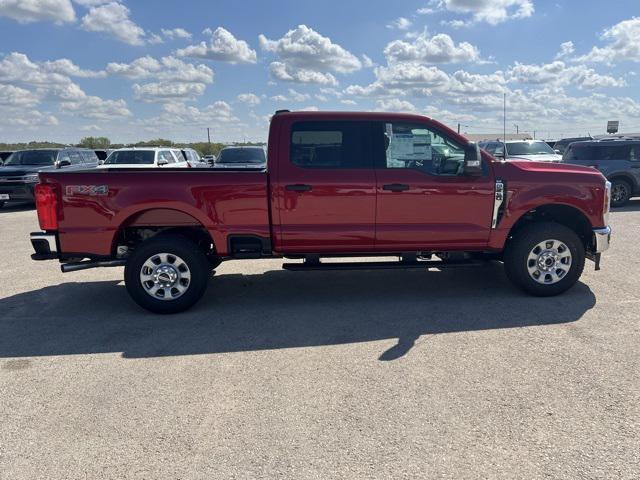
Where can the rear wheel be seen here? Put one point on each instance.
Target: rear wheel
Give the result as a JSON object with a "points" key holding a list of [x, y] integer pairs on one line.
{"points": [[167, 274], [1, 204], [620, 193], [544, 259]]}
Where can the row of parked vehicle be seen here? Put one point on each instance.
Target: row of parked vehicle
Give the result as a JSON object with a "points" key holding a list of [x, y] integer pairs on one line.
{"points": [[19, 171], [617, 158]]}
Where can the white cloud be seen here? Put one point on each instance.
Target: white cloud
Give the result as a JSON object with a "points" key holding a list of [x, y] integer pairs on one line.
{"points": [[348, 102], [395, 105], [400, 23], [174, 33], [25, 11], [293, 96], [66, 67], [222, 46], [173, 79], [13, 96], [249, 98], [624, 44], [159, 92], [283, 72], [33, 83], [492, 12], [439, 48], [566, 49], [558, 73], [305, 56], [113, 19], [89, 106]]}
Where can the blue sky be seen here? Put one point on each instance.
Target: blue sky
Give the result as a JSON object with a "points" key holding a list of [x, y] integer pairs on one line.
{"points": [[144, 69]]}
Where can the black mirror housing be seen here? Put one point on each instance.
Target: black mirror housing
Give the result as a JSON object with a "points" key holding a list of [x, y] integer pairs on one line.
{"points": [[62, 163], [473, 161]]}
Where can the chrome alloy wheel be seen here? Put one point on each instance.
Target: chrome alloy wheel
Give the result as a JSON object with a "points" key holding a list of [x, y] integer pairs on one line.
{"points": [[549, 262], [165, 276], [619, 192]]}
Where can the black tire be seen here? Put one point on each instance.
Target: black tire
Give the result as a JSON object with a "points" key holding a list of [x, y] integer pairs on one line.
{"points": [[192, 256], [1, 204], [620, 193], [517, 262]]}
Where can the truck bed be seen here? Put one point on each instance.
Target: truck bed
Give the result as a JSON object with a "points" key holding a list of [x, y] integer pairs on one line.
{"points": [[97, 203]]}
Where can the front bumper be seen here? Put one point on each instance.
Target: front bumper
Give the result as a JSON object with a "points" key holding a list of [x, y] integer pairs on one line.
{"points": [[18, 192], [600, 243], [601, 239], [45, 246]]}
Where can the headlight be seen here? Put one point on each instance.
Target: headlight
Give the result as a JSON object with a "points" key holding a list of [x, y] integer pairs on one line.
{"points": [[31, 178], [607, 203]]}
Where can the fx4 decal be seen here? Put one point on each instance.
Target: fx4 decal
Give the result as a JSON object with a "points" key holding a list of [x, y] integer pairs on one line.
{"points": [[91, 190]]}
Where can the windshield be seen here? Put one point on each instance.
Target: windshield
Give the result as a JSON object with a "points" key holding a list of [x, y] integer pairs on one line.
{"points": [[32, 157], [131, 157], [529, 148], [242, 155]]}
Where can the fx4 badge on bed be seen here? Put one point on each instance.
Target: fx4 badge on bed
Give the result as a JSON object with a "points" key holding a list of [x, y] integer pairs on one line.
{"points": [[91, 190]]}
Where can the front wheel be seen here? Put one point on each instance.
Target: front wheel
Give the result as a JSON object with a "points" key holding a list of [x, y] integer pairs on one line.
{"points": [[544, 259], [167, 274]]}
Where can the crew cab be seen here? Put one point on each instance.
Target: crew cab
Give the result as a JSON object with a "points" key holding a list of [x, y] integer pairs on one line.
{"points": [[336, 185]]}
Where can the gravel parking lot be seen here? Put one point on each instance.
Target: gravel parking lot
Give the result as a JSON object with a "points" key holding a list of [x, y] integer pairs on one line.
{"points": [[391, 374]]}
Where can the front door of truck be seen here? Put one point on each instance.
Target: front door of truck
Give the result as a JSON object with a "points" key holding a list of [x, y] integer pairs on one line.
{"points": [[325, 188], [424, 199]]}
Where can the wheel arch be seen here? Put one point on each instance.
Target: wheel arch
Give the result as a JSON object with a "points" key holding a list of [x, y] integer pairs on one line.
{"points": [[147, 223], [567, 215], [627, 178]]}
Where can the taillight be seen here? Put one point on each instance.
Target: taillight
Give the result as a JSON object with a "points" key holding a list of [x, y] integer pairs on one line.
{"points": [[47, 206]]}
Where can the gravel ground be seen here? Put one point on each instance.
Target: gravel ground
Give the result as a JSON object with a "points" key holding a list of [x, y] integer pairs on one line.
{"points": [[320, 375]]}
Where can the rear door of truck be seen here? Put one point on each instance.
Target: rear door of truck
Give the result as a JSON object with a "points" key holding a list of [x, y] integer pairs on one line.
{"points": [[324, 186]]}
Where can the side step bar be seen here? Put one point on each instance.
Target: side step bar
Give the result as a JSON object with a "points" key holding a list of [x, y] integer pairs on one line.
{"points": [[86, 265], [426, 264]]}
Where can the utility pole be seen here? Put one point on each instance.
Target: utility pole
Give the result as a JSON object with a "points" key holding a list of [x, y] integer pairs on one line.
{"points": [[504, 118], [458, 127], [208, 136], [517, 128]]}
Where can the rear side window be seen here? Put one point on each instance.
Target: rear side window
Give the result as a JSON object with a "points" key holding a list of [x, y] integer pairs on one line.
{"points": [[612, 152], [336, 145]]}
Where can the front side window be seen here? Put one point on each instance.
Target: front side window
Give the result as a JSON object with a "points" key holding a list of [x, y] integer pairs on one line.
{"points": [[166, 155], [576, 152], [75, 157], [334, 145], [419, 147]]}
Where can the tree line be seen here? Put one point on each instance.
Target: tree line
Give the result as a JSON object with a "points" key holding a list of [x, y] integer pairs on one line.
{"points": [[103, 143]]}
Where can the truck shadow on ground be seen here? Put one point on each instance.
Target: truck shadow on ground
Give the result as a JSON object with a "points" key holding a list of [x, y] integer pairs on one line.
{"points": [[279, 309]]}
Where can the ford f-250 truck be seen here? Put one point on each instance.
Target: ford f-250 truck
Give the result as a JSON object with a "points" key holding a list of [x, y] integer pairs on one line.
{"points": [[336, 185]]}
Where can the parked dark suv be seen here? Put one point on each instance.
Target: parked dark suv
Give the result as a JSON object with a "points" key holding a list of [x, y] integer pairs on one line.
{"points": [[618, 160], [561, 145], [19, 174]]}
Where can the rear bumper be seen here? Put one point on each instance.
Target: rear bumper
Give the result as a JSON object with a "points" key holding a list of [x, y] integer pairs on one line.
{"points": [[601, 239], [45, 246]]}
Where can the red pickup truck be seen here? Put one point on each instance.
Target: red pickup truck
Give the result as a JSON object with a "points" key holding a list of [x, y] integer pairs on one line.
{"points": [[336, 185]]}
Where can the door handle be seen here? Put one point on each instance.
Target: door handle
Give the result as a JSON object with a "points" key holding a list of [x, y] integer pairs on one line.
{"points": [[298, 188], [395, 187]]}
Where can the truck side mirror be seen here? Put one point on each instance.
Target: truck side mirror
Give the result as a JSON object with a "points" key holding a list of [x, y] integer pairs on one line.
{"points": [[62, 163], [162, 162], [473, 161]]}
